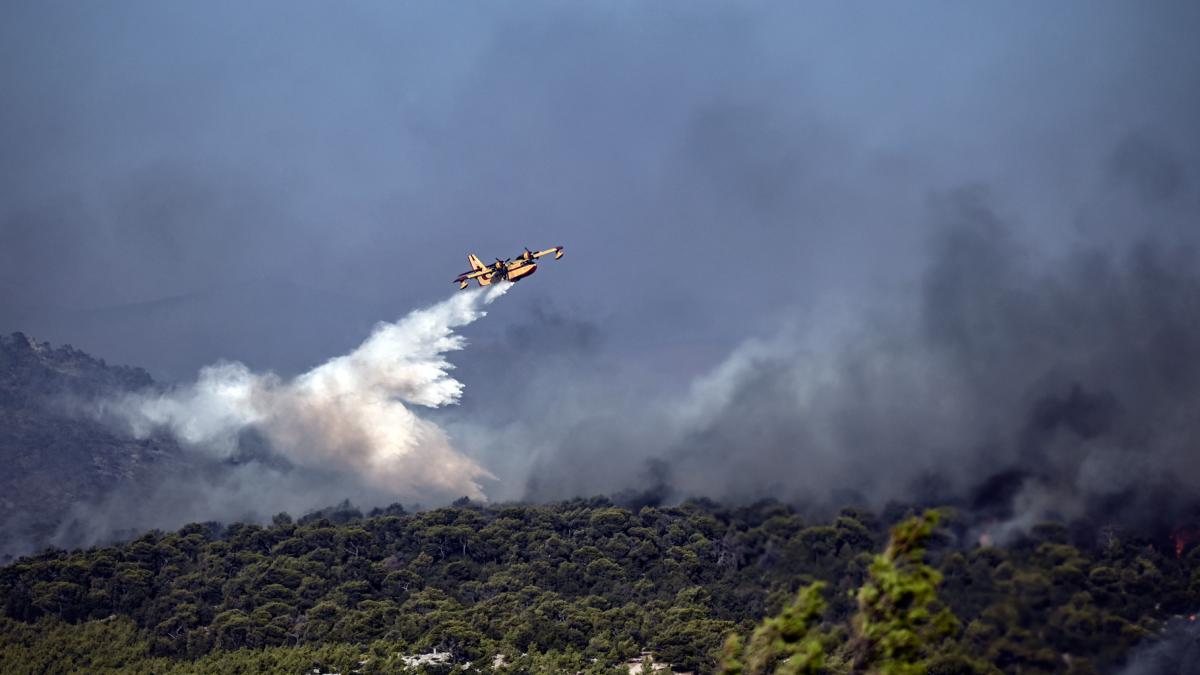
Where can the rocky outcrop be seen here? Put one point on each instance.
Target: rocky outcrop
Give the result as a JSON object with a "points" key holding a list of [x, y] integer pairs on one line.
{"points": [[54, 453]]}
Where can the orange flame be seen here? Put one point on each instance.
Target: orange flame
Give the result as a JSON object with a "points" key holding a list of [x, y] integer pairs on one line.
{"points": [[1183, 538]]}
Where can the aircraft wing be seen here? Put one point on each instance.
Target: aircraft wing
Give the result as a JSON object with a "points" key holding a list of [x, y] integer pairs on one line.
{"points": [[474, 274], [557, 251]]}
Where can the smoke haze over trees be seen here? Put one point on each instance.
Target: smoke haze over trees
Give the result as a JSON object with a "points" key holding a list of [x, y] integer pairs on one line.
{"points": [[826, 254]]}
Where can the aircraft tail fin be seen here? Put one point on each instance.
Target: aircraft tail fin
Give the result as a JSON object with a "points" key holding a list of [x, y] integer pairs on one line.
{"points": [[476, 263]]}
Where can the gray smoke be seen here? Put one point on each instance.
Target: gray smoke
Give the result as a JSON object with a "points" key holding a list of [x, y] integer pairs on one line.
{"points": [[760, 298], [178, 184], [1176, 651], [1012, 381], [259, 444]]}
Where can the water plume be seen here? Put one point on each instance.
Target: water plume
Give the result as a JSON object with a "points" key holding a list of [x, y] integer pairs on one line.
{"points": [[351, 414]]}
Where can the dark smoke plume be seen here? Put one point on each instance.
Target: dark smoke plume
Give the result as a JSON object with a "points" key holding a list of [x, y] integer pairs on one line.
{"points": [[1022, 386]]}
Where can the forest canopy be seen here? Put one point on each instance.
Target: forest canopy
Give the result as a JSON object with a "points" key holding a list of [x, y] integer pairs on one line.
{"points": [[586, 586]]}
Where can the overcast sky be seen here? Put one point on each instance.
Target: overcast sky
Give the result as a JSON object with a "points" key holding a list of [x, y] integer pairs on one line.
{"points": [[288, 173]]}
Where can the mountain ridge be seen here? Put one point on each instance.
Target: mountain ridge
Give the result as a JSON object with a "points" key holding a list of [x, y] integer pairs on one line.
{"points": [[57, 456]]}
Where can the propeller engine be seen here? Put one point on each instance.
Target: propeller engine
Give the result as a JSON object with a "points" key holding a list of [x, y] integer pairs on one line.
{"points": [[501, 269]]}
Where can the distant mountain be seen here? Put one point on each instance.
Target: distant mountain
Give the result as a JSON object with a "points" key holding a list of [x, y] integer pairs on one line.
{"points": [[270, 324], [53, 456]]}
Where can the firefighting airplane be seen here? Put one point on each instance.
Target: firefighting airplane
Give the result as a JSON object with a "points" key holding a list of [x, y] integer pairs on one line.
{"points": [[506, 269]]}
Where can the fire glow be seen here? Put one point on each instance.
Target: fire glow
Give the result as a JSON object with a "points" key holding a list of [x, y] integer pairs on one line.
{"points": [[1183, 538]]}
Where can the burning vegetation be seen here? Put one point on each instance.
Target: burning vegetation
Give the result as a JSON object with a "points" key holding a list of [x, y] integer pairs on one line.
{"points": [[1184, 538]]}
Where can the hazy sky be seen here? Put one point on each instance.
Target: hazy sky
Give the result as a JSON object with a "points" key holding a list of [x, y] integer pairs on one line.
{"points": [[833, 252], [296, 171]]}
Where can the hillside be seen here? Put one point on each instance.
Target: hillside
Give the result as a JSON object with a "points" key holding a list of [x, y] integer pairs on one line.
{"points": [[246, 321], [55, 457], [567, 587]]}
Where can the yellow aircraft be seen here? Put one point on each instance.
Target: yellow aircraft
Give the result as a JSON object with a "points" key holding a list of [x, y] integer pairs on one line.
{"points": [[507, 269]]}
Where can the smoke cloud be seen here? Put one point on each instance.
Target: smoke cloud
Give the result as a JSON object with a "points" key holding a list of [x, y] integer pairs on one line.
{"points": [[1019, 383], [756, 304], [350, 416], [1176, 651]]}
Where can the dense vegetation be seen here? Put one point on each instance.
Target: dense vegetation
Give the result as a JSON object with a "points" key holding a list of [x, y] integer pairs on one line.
{"points": [[584, 586]]}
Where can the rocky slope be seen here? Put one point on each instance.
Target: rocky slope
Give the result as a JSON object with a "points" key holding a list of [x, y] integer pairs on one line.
{"points": [[55, 456]]}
